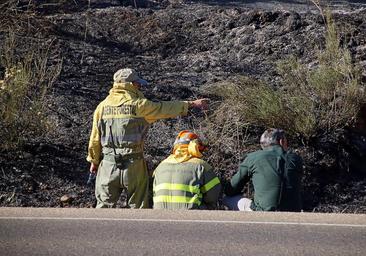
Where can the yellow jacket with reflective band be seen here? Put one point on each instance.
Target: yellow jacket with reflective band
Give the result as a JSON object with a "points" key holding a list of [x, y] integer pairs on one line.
{"points": [[185, 185], [127, 113]]}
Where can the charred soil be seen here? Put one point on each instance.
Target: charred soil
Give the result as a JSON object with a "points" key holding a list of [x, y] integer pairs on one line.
{"points": [[179, 48]]}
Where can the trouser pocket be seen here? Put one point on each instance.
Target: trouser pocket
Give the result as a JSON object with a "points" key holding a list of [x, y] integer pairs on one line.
{"points": [[107, 189]]}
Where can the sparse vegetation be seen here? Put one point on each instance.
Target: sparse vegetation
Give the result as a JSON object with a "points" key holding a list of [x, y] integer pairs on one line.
{"points": [[28, 76], [311, 101]]}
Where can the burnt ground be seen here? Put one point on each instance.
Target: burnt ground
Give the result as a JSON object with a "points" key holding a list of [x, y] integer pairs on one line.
{"points": [[180, 48]]}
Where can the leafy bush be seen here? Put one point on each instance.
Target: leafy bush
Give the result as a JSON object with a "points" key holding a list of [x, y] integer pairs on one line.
{"points": [[311, 100], [29, 74]]}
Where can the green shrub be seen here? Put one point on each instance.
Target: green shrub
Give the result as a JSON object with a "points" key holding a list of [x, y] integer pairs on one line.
{"points": [[27, 78], [311, 100], [333, 87]]}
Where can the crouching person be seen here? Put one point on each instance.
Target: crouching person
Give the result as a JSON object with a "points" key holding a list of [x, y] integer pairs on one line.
{"points": [[184, 180], [275, 174]]}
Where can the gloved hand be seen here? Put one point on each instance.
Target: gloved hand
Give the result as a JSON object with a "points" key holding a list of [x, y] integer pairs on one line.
{"points": [[92, 174], [201, 104], [91, 179]]}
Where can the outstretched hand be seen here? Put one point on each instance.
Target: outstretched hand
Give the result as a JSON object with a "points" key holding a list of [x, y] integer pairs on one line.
{"points": [[201, 104]]}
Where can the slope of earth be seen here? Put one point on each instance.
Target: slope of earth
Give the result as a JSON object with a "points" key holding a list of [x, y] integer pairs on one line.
{"points": [[179, 50]]}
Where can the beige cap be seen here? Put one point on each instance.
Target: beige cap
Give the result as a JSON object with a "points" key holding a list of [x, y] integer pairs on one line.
{"points": [[127, 75]]}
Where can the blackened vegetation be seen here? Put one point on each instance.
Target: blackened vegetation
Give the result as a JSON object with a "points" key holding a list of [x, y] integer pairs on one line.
{"points": [[180, 50]]}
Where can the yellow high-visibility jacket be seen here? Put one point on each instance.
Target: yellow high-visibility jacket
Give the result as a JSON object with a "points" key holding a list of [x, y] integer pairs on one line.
{"points": [[121, 121], [185, 185]]}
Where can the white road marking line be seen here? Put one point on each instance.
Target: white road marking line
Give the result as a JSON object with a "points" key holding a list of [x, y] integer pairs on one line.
{"points": [[190, 221]]}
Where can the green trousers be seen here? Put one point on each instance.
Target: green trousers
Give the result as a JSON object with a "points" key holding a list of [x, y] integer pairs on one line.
{"points": [[112, 180]]}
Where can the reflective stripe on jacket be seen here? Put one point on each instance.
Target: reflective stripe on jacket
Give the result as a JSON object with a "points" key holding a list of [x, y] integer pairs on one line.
{"points": [[121, 121], [187, 185]]}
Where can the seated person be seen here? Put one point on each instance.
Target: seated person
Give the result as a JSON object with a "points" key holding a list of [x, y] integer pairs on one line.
{"points": [[184, 180], [275, 174]]}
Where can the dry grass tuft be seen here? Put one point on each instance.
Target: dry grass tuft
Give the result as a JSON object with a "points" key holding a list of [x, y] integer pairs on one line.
{"points": [[30, 72]]}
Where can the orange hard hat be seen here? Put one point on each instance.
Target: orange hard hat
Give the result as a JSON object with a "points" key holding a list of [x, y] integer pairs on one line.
{"points": [[186, 136]]}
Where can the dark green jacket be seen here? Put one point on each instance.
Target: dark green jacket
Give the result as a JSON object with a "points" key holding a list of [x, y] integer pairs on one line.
{"points": [[276, 177]]}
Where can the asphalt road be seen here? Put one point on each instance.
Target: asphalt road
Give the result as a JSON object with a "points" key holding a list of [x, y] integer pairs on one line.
{"points": [[51, 231]]}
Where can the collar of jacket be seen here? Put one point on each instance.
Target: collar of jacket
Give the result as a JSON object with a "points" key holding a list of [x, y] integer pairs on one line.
{"points": [[121, 92], [172, 159], [276, 148]]}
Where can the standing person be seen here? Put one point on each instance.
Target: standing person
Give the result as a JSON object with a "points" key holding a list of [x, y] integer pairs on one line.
{"points": [[184, 180], [116, 142], [275, 173]]}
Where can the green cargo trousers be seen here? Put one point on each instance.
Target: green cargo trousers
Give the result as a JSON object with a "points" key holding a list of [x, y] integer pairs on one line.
{"points": [[112, 180]]}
